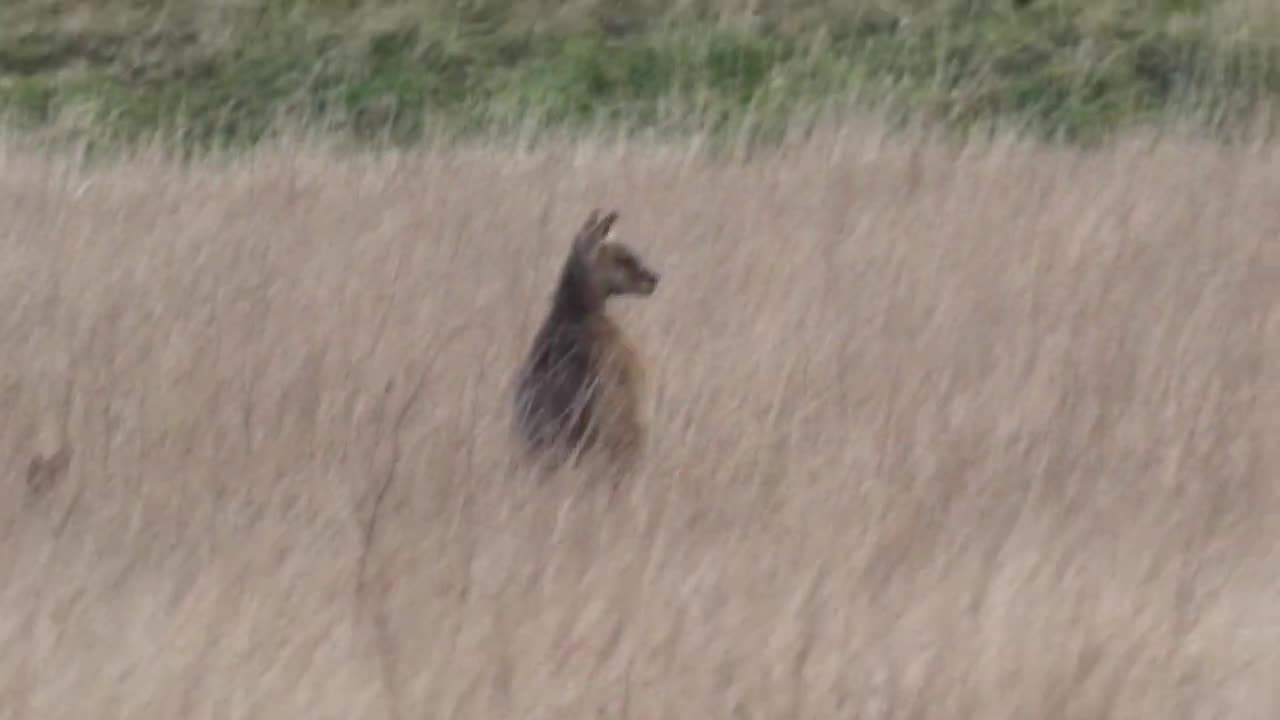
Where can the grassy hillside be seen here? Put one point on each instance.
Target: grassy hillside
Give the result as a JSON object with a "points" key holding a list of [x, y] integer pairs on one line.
{"points": [[984, 434], [391, 69]]}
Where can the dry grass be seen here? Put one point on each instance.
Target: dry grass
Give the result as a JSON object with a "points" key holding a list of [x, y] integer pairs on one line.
{"points": [[980, 432]]}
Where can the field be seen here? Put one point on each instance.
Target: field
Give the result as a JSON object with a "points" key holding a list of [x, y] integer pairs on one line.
{"points": [[234, 72], [980, 430]]}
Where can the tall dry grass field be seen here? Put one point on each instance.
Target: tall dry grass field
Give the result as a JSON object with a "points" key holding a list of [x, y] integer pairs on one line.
{"points": [[968, 432]]}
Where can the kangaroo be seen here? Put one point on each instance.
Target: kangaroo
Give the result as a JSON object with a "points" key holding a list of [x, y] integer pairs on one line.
{"points": [[580, 384]]}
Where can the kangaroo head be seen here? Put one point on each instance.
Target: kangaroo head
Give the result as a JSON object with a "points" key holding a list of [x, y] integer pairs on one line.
{"points": [[613, 267]]}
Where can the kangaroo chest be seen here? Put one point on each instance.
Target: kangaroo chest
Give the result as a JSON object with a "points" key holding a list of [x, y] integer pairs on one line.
{"points": [[617, 363]]}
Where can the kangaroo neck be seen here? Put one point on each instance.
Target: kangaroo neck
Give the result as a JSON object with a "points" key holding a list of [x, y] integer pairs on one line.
{"points": [[576, 297]]}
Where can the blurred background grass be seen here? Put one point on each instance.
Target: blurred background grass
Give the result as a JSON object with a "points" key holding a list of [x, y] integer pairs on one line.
{"points": [[230, 72]]}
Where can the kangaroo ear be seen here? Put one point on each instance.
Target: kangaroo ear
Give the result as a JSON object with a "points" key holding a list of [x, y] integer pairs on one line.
{"points": [[594, 230], [606, 224]]}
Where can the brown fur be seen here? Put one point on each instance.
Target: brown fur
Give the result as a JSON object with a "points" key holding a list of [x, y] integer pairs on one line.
{"points": [[580, 385]]}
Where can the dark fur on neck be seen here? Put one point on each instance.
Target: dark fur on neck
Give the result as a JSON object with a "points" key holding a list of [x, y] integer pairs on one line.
{"points": [[576, 297]]}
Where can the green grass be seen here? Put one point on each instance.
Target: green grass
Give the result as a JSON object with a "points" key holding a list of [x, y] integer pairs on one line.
{"points": [[229, 73]]}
